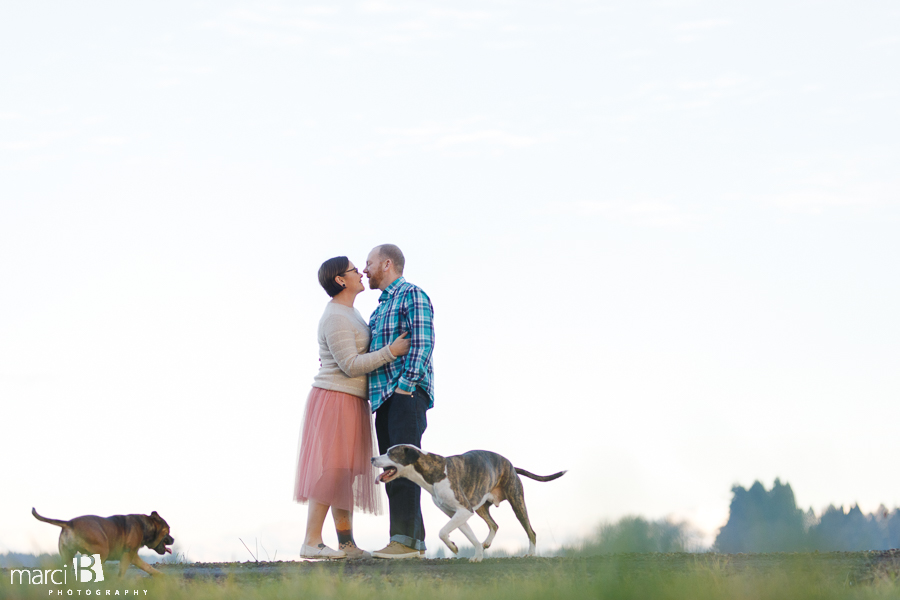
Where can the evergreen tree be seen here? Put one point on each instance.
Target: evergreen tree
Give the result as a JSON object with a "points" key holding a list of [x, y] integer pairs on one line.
{"points": [[763, 521]]}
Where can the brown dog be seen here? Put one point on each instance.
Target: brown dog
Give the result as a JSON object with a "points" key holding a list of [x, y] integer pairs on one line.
{"points": [[118, 537]]}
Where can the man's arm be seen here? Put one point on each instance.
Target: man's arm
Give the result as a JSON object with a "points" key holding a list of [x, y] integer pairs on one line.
{"points": [[419, 321]]}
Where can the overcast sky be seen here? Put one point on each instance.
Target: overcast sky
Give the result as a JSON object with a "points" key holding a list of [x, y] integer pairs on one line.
{"points": [[660, 238]]}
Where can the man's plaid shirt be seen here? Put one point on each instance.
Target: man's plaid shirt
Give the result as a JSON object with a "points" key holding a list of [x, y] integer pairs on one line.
{"points": [[402, 307]]}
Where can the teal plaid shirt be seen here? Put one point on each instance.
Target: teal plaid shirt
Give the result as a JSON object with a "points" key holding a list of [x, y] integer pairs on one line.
{"points": [[402, 307]]}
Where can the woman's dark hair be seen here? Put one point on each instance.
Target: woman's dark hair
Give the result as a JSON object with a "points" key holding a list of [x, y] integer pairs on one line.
{"points": [[330, 269]]}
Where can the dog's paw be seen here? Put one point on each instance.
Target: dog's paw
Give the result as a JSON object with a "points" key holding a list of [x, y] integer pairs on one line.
{"points": [[453, 548], [476, 559], [486, 545]]}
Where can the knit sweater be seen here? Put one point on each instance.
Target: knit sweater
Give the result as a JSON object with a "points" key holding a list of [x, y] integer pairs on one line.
{"points": [[343, 351]]}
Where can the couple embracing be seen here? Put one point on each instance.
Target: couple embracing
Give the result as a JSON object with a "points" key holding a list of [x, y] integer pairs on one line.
{"points": [[383, 366]]}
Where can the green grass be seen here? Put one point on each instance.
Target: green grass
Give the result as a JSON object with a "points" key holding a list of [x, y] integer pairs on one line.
{"points": [[645, 576]]}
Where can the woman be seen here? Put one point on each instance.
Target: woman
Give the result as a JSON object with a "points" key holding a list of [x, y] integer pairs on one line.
{"points": [[334, 468]]}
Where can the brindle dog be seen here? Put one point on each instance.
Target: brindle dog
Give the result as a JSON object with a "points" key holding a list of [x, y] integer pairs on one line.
{"points": [[118, 537], [462, 486]]}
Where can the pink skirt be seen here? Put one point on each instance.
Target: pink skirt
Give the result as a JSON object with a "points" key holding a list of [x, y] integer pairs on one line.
{"points": [[334, 466]]}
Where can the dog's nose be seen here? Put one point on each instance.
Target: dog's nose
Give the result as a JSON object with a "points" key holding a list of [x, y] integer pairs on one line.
{"points": [[373, 460]]}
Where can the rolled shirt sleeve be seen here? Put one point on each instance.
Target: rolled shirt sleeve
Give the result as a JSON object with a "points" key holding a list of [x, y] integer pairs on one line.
{"points": [[417, 317]]}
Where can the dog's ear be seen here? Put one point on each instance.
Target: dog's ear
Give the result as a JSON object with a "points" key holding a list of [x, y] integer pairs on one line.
{"points": [[410, 455], [431, 468], [155, 515], [150, 527]]}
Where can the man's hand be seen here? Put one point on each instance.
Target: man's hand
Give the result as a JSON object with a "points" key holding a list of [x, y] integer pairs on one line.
{"points": [[399, 391]]}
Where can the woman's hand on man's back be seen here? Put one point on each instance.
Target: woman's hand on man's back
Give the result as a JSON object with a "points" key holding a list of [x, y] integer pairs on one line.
{"points": [[400, 345]]}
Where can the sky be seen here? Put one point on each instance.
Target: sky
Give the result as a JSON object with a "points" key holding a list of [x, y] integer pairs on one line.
{"points": [[660, 239]]}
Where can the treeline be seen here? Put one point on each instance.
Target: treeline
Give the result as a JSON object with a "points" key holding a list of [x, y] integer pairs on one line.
{"points": [[763, 520], [17, 560], [759, 520], [636, 534]]}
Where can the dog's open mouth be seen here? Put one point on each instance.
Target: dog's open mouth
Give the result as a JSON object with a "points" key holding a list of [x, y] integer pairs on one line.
{"points": [[161, 548], [388, 474]]}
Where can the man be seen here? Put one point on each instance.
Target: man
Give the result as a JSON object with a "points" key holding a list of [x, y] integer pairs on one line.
{"points": [[400, 391]]}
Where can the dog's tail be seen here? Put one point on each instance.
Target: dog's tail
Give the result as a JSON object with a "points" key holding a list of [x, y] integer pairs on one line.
{"points": [[540, 477], [46, 520]]}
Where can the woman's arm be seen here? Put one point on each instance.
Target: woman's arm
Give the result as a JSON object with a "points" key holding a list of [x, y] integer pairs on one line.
{"points": [[340, 337]]}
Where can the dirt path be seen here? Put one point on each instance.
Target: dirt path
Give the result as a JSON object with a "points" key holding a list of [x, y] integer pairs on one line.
{"points": [[851, 567]]}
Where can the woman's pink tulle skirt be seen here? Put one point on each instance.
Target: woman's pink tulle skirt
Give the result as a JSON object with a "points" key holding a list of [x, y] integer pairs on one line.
{"points": [[334, 466]]}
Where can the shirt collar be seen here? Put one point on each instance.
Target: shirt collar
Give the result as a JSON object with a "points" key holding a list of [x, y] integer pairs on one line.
{"points": [[389, 290]]}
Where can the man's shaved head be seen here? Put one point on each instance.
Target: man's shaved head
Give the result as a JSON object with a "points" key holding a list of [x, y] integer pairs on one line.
{"points": [[392, 253]]}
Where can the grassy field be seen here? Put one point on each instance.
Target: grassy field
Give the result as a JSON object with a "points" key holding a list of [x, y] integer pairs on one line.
{"points": [[658, 576]]}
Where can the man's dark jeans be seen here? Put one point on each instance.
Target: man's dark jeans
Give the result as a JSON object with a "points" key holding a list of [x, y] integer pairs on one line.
{"points": [[401, 420]]}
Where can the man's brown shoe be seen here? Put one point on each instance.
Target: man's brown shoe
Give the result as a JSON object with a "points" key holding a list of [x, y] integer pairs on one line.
{"points": [[396, 550]]}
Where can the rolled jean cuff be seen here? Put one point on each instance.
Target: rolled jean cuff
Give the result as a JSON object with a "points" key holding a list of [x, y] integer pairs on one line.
{"points": [[409, 542]]}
